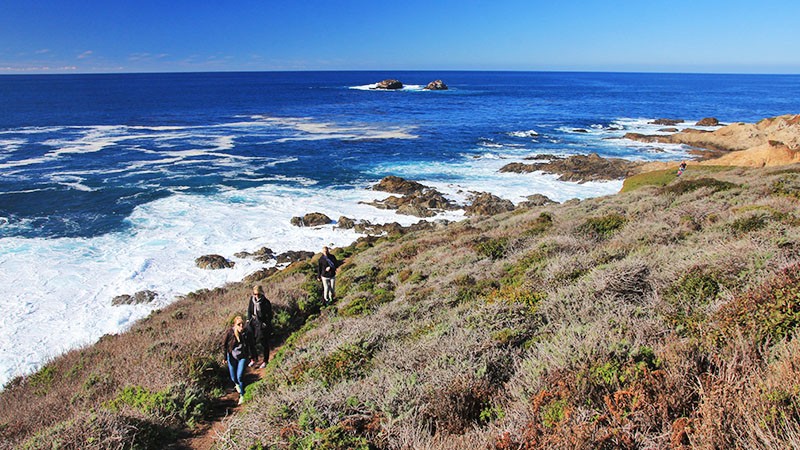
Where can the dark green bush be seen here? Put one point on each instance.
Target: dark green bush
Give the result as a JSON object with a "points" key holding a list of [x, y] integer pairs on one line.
{"points": [[492, 248], [686, 186], [602, 227]]}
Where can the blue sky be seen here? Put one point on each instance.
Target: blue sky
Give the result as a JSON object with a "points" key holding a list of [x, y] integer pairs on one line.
{"points": [[88, 36]]}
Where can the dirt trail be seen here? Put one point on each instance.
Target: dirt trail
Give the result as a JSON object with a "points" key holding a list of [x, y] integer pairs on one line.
{"points": [[205, 434]]}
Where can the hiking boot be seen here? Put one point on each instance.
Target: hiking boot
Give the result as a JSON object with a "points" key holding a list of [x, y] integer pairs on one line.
{"points": [[238, 389], [263, 364], [241, 400], [250, 364]]}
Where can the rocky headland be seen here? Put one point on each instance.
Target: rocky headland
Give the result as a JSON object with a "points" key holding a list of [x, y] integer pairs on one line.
{"points": [[770, 142]]}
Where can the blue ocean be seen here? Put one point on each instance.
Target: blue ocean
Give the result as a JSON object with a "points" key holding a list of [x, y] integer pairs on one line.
{"points": [[113, 184]]}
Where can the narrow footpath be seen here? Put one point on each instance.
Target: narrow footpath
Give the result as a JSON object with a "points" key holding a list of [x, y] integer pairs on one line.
{"points": [[204, 435]]}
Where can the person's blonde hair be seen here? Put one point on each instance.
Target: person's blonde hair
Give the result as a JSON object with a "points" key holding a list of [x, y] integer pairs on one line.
{"points": [[236, 321], [258, 289]]}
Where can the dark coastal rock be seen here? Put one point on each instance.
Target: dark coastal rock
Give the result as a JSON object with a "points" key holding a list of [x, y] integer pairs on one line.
{"points": [[346, 223], [294, 256], [580, 168], [138, 298], [668, 130], [418, 200], [536, 200], [397, 185], [486, 204], [263, 254], [437, 85], [668, 122], [707, 122], [314, 219], [540, 157], [213, 262], [370, 229], [580, 130], [518, 167], [389, 84], [259, 275]]}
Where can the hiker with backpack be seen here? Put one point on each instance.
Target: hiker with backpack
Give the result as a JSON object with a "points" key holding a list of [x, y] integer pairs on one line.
{"points": [[259, 320], [326, 272]]}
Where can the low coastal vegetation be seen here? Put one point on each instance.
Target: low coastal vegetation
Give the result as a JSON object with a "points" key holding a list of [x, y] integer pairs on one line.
{"points": [[662, 317]]}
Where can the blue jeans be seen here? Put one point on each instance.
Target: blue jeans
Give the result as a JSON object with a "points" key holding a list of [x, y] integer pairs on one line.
{"points": [[236, 374]]}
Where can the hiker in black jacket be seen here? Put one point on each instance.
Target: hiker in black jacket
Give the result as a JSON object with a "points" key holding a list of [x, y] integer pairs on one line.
{"points": [[326, 272], [259, 320]]}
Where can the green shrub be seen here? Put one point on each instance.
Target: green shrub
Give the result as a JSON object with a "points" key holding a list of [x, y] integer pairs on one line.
{"points": [[747, 224], [492, 248], [366, 302], [42, 380], [686, 186], [770, 312], [468, 289], [542, 223], [187, 403], [787, 186], [602, 227], [346, 362]]}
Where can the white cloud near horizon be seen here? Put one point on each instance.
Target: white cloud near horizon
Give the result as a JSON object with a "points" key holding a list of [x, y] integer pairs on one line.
{"points": [[85, 54]]}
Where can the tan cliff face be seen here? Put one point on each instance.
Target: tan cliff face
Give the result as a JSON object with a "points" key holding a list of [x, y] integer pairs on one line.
{"points": [[770, 142]]}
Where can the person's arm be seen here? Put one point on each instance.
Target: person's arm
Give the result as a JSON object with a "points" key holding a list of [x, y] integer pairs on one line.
{"points": [[249, 310]]}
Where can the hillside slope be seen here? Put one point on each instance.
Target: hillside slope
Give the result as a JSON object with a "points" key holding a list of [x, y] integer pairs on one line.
{"points": [[665, 317]]}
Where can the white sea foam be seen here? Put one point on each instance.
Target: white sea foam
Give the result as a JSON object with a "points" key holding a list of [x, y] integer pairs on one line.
{"points": [[374, 87], [68, 283], [524, 134]]}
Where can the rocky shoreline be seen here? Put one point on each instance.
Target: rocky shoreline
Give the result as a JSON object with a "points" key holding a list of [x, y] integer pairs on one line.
{"points": [[773, 141]]}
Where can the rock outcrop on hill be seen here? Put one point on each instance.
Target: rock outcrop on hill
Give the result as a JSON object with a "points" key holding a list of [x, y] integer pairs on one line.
{"points": [[437, 85], [138, 298], [389, 84], [487, 204], [579, 168], [769, 142]]}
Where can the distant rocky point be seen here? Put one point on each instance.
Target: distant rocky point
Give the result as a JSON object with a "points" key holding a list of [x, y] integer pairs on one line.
{"points": [[769, 142]]}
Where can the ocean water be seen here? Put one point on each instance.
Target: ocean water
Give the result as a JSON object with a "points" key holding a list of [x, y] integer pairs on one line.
{"points": [[113, 184]]}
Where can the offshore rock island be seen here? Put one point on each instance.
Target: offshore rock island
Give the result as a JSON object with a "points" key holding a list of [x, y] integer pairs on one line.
{"points": [[665, 316]]}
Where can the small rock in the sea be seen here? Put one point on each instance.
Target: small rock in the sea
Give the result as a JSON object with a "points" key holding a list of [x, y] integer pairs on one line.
{"points": [[213, 262], [389, 84], [437, 85]]}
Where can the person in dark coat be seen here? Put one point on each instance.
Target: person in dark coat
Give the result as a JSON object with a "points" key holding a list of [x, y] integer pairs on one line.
{"points": [[259, 320], [237, 348], [326, 272]]}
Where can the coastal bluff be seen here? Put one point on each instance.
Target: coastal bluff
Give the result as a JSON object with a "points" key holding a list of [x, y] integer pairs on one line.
{"points": [[773, 141]]}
